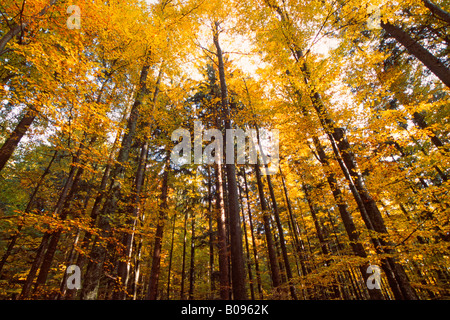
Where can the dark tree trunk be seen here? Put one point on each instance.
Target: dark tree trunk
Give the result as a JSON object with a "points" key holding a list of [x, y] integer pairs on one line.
{"points": [[183, 265], [192, 263], [255, 250], [247, 249], [13, 140], [282, 241], [133, 210], [437, 11], [236, 246], [211, 236], [414, 48], [27, 210], [346, 217], [275, 270], [162, 217], [98, 252], [170, 258], [221, 236]]}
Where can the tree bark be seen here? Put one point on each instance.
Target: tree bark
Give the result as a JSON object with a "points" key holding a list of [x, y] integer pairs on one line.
{"points": [[221, 236], [346, 217], [134, 207], [13, 140], [170, 258], [236, 246], [282, 241], [437, 11], [255, 250], [98, 252], [192, 263], [275, 271], [162, 217], [183, 265], [422, 54], [27, 210], [247, 249], [211, 237]]}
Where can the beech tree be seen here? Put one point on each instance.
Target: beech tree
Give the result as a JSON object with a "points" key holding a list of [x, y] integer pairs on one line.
{"points": [[116, 162]]}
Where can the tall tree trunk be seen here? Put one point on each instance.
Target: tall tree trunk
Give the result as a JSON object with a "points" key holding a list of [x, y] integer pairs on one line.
{"points": [[211, 237], [27, 210], [282, 241], [95, 210], [255, 250], [275, 271], [346, 217], [247, 249], [192, 263], [133, 210], [221, 236], [416, 49], [98, 252], [170, 257], [26, 289], [183, 265], [46, 258], [295, 230], [56, 235], [162, 217], [134, 207], [63, 286], [236, 246]]}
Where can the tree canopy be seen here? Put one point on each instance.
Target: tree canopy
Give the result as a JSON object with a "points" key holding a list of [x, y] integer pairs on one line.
{"points": [[349, 101]]}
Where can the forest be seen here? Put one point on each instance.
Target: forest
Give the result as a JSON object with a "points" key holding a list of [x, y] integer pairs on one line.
{"points": [[118, 180]]}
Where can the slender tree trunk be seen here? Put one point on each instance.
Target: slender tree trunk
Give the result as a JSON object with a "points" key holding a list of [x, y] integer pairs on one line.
{"points": [[247, 249], [46, 258], [222, 236], [62, 209], [170, 257], [192, 263], [255, 250], [162, 217], [282, 241], [27, 210], [95, 210], [183, 265], [133, 210], [236, 246], [98, 252], [211, 237], [346, 217], [63, 287], [26, 289], [296, 231], [275, 271]]}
